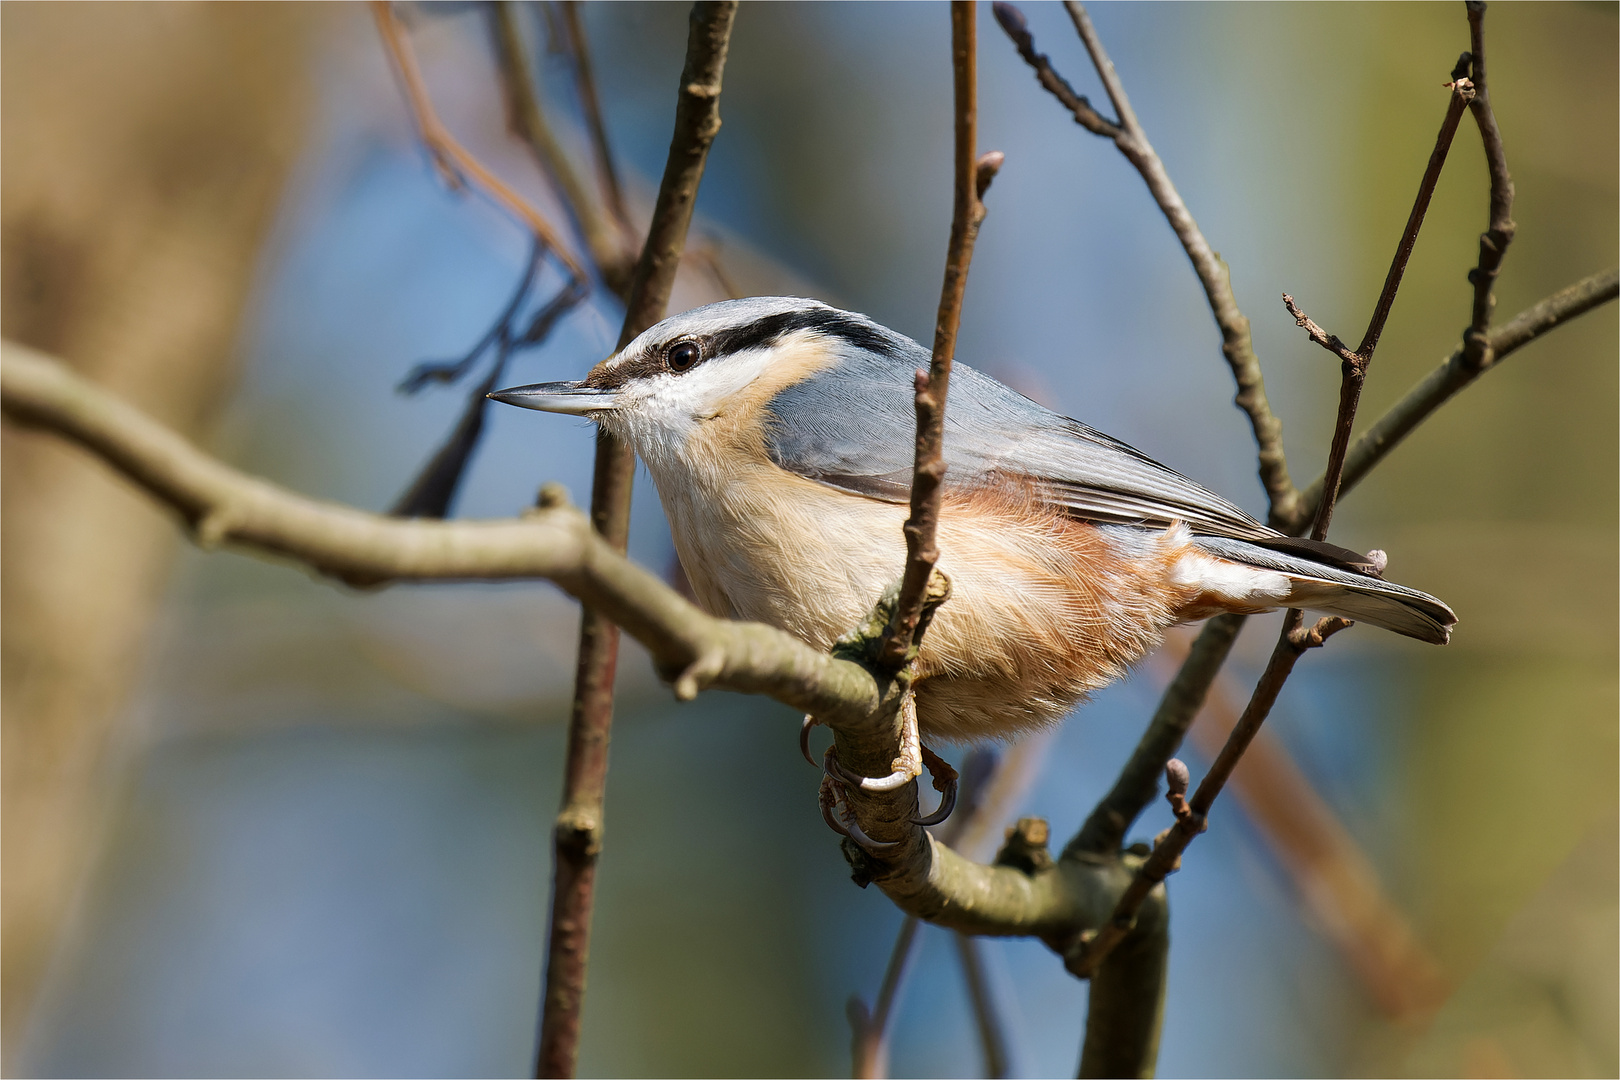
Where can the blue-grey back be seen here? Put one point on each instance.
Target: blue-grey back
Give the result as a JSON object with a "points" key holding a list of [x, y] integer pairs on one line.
{"points": [[852, 426]]}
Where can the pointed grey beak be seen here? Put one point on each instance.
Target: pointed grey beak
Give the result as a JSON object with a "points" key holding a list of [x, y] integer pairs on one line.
{"points": [[573, 398]]}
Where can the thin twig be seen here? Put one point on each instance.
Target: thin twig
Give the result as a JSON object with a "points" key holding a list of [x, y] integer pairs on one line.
{"points": [[527, 120], [1127, 134], [589, 103], [1294, 639], [1494, 241], [1355, 365], [455, 162], [1105, 829], [579, 824], [986, 1016], [973, 175], [1459, 370]]}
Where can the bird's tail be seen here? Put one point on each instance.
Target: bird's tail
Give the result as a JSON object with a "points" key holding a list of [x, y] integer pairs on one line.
{"points": [[1320, 586]]}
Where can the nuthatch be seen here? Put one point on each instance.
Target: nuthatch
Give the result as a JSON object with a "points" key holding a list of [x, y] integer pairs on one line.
{"points": [[780, 434]]}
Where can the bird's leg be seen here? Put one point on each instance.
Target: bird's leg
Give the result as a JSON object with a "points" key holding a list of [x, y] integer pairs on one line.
{"points": [[909, 764], [945, 782]]}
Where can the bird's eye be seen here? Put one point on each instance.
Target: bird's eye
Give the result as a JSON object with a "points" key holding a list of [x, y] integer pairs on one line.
{"points": [[682, 356]]}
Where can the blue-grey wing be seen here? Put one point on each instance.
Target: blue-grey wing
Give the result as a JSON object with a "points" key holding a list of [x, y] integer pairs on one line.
{"points": [[852, 426]]}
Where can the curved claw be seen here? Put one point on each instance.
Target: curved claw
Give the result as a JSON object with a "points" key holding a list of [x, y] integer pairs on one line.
{"points": [[804, 738], [827, 814], [848, 825], [857, 834], [947, 803], [897, 779]]}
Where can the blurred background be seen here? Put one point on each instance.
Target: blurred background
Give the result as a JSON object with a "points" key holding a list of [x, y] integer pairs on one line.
{"points": [[255, 824]]}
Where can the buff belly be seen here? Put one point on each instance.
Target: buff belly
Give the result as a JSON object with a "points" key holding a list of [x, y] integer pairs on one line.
{"points": [[1043, 609]]}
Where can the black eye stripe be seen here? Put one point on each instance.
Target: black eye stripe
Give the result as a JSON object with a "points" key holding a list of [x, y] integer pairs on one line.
{"points": [[766, 331]]}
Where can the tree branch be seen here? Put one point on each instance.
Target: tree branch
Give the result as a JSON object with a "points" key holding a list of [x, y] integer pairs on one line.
{"points": [[528, 122], [578, 832], [1460, 369], [221, 505], [589, 103], [973, 175], [1493, 243], [1236, 344], [455, 162]]}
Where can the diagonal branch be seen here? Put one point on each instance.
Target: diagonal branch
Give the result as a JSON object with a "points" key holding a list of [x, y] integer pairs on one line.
{"points": [[528, 121], [1127, 134], [1459, 370], [973, 175], [455, 162], [589, 103]]}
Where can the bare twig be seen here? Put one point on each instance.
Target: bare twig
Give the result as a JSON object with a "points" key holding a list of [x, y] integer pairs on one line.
{"points": [[1460, 369], [455, 163], [579, 824], [1127, 134], [527, 120], [1355, 364], [1104, 831], [1493, 243], [992, 1037], [973, 175], [1330, 342], [1294, 639], [585, 86]]}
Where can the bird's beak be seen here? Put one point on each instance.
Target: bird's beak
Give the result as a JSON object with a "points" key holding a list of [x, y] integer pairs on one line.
{"points": [[573, 398]]}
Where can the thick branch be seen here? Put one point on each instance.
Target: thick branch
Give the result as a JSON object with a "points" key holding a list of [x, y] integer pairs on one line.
{"points": [[1236, 343], [224, 506], [973, 175]]}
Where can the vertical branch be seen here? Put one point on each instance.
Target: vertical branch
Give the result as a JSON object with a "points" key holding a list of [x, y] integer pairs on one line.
{"points": [[1494, 241], [973, 175], [578, 835]]}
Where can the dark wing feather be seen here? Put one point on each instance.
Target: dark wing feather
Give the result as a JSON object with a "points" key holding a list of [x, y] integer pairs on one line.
{"points": [[851, 426]]}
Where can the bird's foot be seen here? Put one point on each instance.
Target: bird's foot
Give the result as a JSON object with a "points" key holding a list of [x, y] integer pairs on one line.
{"points": [[835, 808], [907, 766]]}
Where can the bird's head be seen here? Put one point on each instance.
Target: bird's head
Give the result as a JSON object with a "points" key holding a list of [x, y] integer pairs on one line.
{"points": [[729, 358]]}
